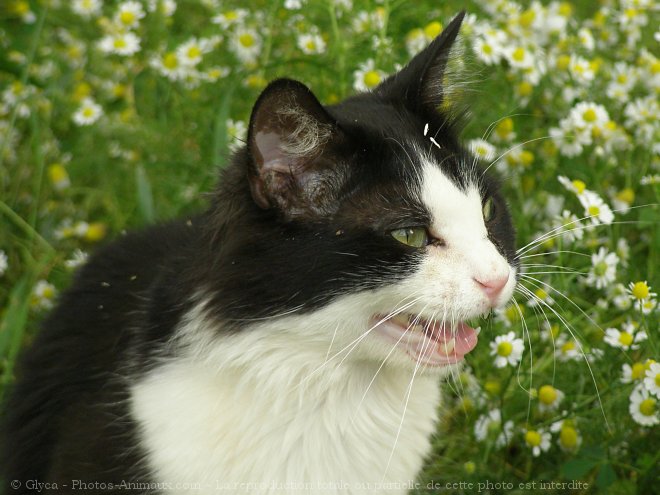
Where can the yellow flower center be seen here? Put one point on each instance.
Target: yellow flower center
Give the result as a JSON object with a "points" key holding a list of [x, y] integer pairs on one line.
{"points": [[625, 338], [568, 437], [469, 467], [626, 195], [640, 290], [246, 39], [526, 158], [194, 52], [170, 61], [231, 15], [568, 346], [527, 18], [504, 349], [505, 127], [88, 112], [593, 210], [563, 61], [57, 173], [371, 78], [579, 186], [565, 9], [48, 292], [493, 387], [518, 54], [95, 232], [487, 49], [655, 67], [525, 88], [647, 407], [119, 43], [637, 371], [589, 115], [547, 394], [600, 268], [541, 294], [657, 380], [127, 17], [533, 438], [433, 29], [310, 45]]}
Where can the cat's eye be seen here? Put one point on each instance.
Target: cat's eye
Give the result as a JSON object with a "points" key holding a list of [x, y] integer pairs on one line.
{"points": [[411, 236], [488, 209]]}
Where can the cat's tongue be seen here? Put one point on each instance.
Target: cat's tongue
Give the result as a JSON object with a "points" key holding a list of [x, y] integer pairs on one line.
{"points": [[430, 343]]}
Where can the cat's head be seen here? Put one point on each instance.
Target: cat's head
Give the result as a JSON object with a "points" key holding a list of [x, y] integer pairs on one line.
{"points": [[370, 223]]}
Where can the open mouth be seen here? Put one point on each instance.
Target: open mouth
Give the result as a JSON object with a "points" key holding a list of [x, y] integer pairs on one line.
{"points": [[428, 342]]}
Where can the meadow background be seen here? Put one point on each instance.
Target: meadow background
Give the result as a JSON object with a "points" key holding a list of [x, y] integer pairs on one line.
{"points": [[117, 114]]}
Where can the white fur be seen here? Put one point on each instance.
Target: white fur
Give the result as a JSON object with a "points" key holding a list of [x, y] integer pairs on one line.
{"points": [[302, 398]]}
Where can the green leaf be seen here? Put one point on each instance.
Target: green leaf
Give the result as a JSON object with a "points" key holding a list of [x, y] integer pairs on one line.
{"points": [[606, 476], [145, 198]]}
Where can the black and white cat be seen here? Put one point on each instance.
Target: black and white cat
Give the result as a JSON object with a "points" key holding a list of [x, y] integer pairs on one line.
{"points": [[294, 334]]}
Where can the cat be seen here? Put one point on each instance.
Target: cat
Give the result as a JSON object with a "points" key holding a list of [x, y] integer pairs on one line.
{"points": [[291, 337]]}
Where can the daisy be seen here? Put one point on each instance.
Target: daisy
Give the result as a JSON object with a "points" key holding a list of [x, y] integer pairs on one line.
{"points": [[538, 441], [519, 57], [652, 379], [246, 44], [129, 14], [570, 226], [549, 398], [367, 76], [567, 349], [237, 130], [589, 115], [542, 299], [86, 8], [491, 423], [170, 66], [311, 43], [643, 407], [619, 296], [507, 348], [43, 295], [581, 70], [167, 7], [603, 269], [569, 437], [627, 338], [230, 18], [88, 113], [77, 258], [482, 149], [489, 47], [124, 44], [58, 176], [630, 374], [595, 208], [415, 41], [575, 186], [639, 292], [190, 53]]}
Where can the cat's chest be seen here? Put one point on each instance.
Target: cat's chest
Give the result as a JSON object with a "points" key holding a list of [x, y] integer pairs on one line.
{"points": [[220, 432]]}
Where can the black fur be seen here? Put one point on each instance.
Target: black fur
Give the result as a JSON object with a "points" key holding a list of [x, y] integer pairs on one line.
{"points": [[266, 245]]}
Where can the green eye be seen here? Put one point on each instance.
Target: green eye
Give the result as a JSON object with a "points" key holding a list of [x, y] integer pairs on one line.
{"points": [[411, 236], [488, 209]]}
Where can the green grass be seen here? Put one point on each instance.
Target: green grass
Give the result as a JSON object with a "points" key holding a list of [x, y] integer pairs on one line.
{"points": [[156, 149]]}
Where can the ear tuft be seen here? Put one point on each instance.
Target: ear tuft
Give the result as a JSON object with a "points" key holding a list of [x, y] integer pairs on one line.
{"points": [[420, 82], [290, 139]]}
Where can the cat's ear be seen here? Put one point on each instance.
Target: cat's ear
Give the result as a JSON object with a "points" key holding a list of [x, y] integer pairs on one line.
{"points": [[291, 142], [420, 82]]}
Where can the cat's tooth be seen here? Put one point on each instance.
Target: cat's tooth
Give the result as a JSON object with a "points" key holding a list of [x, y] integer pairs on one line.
{"points": [[448, 346]]}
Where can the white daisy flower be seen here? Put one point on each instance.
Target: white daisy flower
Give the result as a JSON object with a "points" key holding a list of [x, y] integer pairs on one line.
{"points": [[595, 208], [124, 44], [237, 130], [537, 440], [567, 349], [630, 374], [507, 349], [170, 66], [490, 46], [190, 53], [569, 438], [246, 44], [627, 338], [549, 398], [86, 8], [230, 18], [43, 295], [603, 269], [643, 407], [293, 4], [491, 423], [652, 379], [88, 112], [77, 258], [482, 149], [575, 186], [588, 115], [581, 70], [519, 57], [569, 139], [167, 7], [570, 226], [129, 14], [311, 43], [619, 296], [367, 76]]}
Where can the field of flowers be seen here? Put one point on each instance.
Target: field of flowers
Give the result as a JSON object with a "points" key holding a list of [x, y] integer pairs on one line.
{"points": [[115, 114]]}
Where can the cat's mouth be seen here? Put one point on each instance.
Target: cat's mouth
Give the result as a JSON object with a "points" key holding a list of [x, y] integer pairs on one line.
{"points": [[428, 342]]}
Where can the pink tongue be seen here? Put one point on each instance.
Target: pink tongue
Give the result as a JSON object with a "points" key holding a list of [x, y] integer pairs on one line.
{"points": [[465, 338]]}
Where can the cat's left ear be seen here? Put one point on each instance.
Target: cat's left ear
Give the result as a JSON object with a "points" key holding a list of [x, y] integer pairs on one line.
{"points": [[420, 82], [292, 143]]}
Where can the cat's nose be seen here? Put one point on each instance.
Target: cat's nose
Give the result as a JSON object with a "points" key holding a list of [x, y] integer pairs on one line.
{"points": [[492, 286]]}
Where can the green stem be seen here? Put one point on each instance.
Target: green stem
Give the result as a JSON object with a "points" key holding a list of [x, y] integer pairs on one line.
{"points": [[25, 226]]}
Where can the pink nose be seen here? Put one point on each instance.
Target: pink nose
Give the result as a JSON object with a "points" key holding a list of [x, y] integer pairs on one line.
{"points": [[492, 286]]}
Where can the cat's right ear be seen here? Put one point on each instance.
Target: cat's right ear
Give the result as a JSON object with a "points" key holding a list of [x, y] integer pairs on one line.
{"points": [[291, 143]]}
